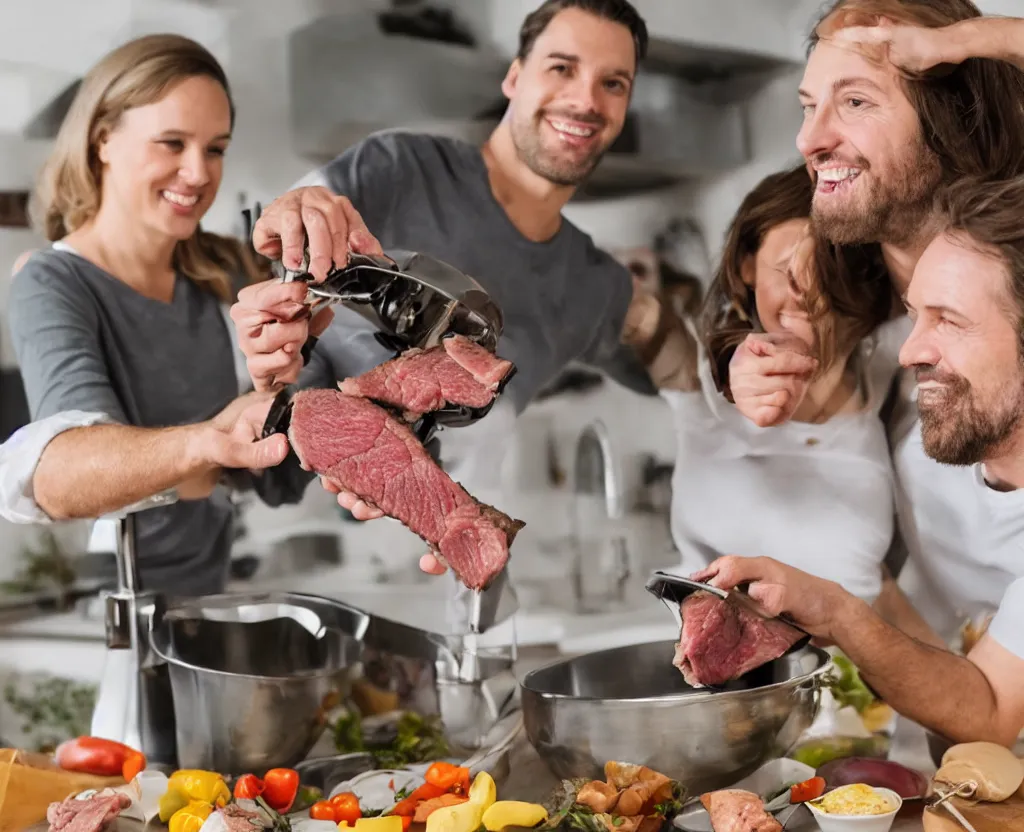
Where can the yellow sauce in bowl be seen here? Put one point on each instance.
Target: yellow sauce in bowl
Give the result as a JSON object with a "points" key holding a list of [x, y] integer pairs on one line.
{"points": [[857, 799]]}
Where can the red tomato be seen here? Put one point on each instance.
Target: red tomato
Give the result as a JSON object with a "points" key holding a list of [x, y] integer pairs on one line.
{"points": [[346, 808], [248, 787], [104, 758], [322, 810], [280, 786]]}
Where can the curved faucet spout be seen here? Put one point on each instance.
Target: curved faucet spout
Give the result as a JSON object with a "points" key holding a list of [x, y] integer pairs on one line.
{"points": [[596, 472]]}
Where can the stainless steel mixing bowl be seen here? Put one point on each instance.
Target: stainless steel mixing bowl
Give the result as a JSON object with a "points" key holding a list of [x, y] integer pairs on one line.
{"points": [[254, 675], [631, 705]]}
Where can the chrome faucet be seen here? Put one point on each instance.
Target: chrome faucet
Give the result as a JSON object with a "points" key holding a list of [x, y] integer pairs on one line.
{"points": [[134, 704], [596, 473]]}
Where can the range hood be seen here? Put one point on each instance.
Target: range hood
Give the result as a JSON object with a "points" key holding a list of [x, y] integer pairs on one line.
{"points": [[350, 75]]}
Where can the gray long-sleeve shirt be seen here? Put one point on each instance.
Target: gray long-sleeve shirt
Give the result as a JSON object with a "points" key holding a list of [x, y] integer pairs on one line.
{"points": [[86, 341]]}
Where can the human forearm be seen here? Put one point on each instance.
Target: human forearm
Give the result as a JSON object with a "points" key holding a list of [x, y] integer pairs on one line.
{"points": [[998, 38], [663, 343], [927, 684], [894, 607], [90, 471]]}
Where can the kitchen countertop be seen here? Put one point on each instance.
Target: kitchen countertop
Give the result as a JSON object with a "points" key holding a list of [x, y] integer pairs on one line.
{"points": [[530, 780]]}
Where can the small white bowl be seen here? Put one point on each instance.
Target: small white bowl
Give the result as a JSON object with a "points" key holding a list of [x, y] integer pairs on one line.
{"points": [[859, 823]]}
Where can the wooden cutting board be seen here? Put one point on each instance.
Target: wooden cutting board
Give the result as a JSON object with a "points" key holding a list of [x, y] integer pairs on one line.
{"points": [[984, 817], [29, 783]]}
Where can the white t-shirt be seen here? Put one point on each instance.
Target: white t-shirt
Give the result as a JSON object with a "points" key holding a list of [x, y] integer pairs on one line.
{"points": [[817, 497], [965, 541], [1008, 625]]}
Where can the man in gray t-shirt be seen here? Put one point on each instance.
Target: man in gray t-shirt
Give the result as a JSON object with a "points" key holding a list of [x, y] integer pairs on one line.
{"points": [[493, 212]]}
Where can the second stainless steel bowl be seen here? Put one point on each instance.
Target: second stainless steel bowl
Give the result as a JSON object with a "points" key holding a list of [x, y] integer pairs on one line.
{"points": [[254, 676], [631, 705]]}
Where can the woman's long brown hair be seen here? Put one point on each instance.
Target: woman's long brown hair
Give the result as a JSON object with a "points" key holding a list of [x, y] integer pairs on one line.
{"points": [[135, 74], [849, 295]]}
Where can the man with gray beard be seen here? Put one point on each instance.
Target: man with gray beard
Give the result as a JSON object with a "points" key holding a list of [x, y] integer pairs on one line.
{"points": [[896, 107]]}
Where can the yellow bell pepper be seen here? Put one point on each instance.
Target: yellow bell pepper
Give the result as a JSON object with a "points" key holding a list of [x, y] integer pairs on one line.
{"points": [[172, 801], [204, 786], [483, 792], [191, 818], [513, 813]]}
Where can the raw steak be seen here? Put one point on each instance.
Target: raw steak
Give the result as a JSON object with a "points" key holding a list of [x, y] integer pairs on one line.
{"points": [[458, 372], [89, 815], [364, 449], [236, 818], [734, 810], [721, 641]]}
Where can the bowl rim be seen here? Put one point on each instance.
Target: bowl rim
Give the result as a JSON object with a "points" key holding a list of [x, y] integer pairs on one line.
{"points": [[169, 656], [888, 793], [696, 694]]}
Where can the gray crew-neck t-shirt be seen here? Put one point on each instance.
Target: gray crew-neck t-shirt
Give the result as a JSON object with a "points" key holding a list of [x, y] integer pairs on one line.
{"points": [[87, 341], [563, 299]]}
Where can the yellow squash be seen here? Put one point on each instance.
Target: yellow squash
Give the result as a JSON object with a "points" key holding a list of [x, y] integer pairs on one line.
{"points": [[513, 813], [483, 792], [465, 817]]}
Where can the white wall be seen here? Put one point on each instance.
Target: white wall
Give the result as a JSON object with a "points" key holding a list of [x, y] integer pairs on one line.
{"points": [[18, 162]]}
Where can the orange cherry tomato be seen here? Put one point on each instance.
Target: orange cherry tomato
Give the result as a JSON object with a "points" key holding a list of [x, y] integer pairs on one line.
{"points": [[346, 808], [322, 810]]}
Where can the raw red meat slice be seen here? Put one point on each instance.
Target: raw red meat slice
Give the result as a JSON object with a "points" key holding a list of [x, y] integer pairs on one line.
{"points": [[458, 372], [721, 641], [367, 451], [89, 815], [735, 810]]}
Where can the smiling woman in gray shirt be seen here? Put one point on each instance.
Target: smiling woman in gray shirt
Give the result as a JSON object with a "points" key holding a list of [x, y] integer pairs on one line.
{"points": [[124, 315]]}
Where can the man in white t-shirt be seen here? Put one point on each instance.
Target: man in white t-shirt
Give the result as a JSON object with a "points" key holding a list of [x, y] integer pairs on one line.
{"points": [[966, 298], [880, 144]]}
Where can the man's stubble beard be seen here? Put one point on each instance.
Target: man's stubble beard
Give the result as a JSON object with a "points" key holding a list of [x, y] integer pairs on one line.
{"points": [[532, 153], [897, 212], [958, 432]]}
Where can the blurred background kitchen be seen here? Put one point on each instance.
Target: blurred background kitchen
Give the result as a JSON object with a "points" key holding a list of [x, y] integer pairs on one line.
{"points": [[714, 111]]}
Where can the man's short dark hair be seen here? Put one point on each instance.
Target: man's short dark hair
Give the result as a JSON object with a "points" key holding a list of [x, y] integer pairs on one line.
{"points": [[617, 11], [989, 214]]}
